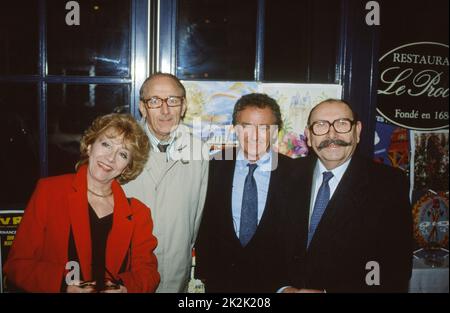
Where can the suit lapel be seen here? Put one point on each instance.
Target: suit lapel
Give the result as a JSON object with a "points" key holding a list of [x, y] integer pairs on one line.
{"points": [[273, 200], [301, 209], [227, 186], [345, 199], [79, 220]]}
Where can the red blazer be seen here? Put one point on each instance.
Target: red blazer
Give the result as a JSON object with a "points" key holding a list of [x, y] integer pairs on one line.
{"points": [[39, 254]]}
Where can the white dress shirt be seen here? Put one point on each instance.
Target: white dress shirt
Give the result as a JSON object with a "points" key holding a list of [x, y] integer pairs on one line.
{"points": [[262, 178], [338, 172]]}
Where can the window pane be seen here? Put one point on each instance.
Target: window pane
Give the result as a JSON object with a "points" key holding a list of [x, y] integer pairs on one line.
{"points": [[433, 25], [19, 37], [19, 137], [301, 40], [216, 39], [99, 46], [71, 109]]}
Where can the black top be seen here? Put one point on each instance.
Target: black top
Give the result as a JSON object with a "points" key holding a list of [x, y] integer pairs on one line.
{"points": [[100, 228]]}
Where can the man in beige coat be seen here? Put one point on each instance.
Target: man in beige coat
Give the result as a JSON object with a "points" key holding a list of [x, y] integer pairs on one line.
{"points": [[174, 181]]}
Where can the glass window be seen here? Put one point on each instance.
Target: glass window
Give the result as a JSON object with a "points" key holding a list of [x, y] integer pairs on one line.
{"points": [[301, 39], [432, 22], [99, 46], [19, 140], [71, 109], [216, 39], [19, 38]]}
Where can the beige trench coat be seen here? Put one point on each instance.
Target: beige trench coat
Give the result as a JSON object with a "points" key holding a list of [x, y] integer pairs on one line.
{"points": [[175, 192]]}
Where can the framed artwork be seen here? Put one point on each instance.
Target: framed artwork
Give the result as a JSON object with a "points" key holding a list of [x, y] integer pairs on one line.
{"points": [[211, 103]]}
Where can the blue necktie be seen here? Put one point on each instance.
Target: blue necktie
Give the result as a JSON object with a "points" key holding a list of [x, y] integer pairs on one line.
{"points": [[249, 209], [323, 196]]}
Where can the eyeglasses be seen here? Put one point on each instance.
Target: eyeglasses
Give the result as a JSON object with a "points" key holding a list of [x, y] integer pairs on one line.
{"points": [[156, 102], [341, 126], [110, 283]]}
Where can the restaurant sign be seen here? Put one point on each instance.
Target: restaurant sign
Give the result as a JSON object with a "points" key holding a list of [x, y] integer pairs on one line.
{"points": [[413, 86]]}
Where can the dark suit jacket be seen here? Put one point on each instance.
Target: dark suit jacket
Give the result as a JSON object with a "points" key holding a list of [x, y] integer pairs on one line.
{"points": [[38, 257], [367, 219], [223, 264]]}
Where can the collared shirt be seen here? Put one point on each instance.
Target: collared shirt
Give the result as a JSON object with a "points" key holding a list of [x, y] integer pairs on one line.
{"points": [[155, 141], [338, 172], [262, 178]]}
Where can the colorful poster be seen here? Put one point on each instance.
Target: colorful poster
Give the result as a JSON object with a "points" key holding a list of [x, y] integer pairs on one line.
{"points": [[392, 146], [9, 222], [210, 108], [429, 180], [430, 215], [430, 160], [296, 100]]}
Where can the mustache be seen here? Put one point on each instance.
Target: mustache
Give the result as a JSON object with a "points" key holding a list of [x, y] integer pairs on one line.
{"points": [[337, 142]]}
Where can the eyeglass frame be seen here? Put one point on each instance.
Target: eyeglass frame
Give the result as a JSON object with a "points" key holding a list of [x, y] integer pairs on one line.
{"points": [[163, 100], [352, 123]]}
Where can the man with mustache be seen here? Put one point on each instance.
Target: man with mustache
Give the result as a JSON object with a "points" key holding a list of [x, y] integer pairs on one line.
{"points": [[174, 180], [352, 228]]}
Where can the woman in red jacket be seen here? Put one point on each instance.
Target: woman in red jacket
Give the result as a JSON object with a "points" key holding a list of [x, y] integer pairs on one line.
{"points": [[79, 232]]}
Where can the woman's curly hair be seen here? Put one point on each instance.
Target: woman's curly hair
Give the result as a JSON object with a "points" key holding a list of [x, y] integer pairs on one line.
{"points": [[134, 137]]}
